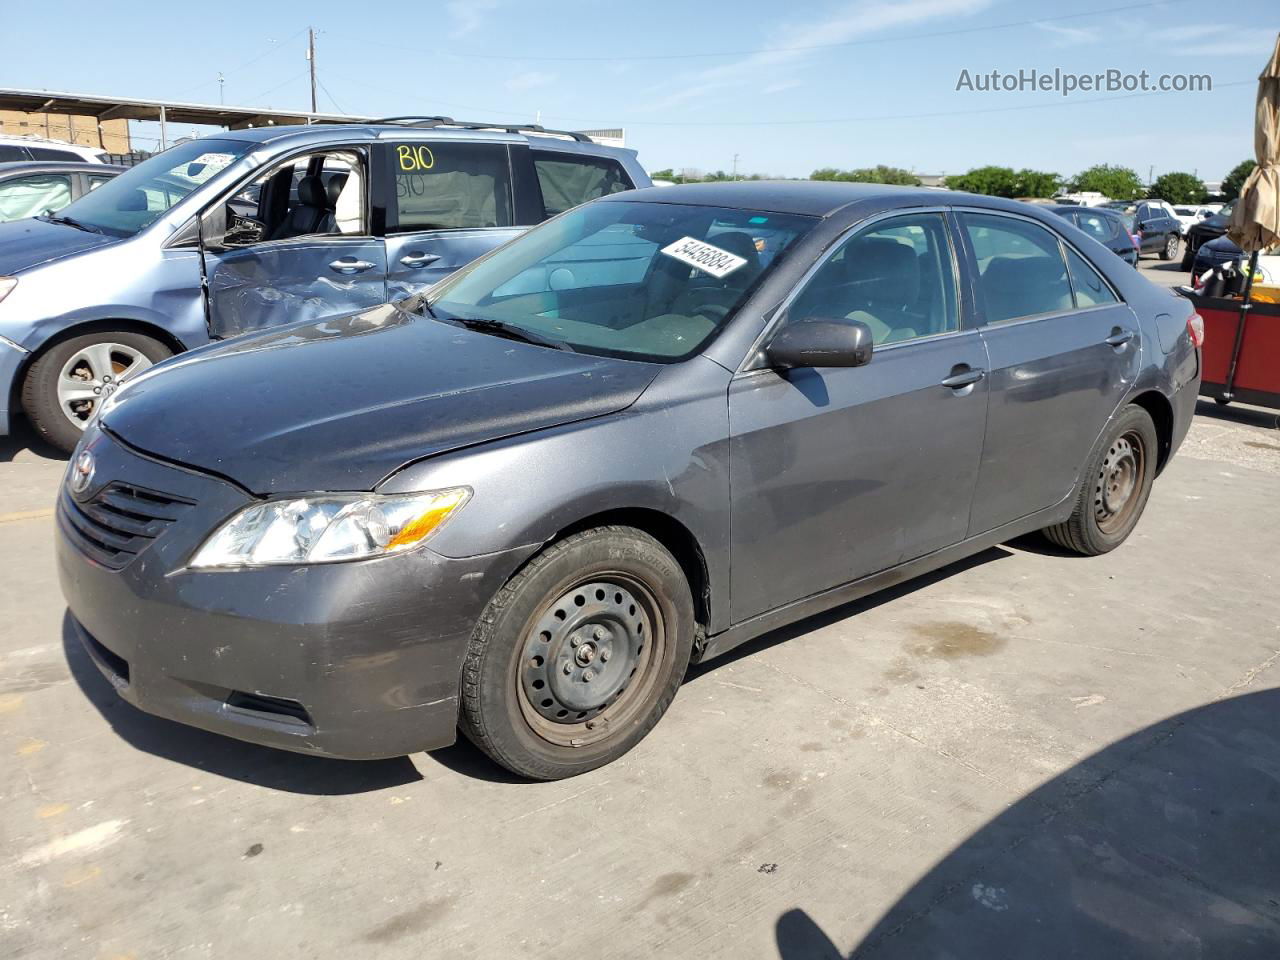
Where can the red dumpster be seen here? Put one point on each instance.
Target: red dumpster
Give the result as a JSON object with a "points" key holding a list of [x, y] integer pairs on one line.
{"points": [[1257, 378]]}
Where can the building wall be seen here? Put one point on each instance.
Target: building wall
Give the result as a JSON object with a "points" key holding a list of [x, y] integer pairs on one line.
{"points": [[114, 137]]}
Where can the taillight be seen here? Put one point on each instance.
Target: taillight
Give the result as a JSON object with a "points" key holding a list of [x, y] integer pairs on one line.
{"points": [[1195, 329]]}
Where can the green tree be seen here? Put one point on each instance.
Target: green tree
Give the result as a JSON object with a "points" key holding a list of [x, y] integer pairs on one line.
{"points": [[1233, 182], [991, 181], [1036, 183], [1179, 188], [668, 174], [1118, 183], [877, 174]]}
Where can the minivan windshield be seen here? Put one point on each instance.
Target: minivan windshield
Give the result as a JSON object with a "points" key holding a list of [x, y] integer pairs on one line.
{"points": [[622, 278], [125, 205]]}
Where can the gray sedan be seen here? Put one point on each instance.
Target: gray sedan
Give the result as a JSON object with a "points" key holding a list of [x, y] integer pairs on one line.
{"points": [[645, 432]]}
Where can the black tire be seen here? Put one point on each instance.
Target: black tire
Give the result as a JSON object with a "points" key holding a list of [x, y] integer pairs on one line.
{"points": [[1170, 248], [40, 388], [1221, 401], [536, 631], [1094, 527], [1188, 256]]}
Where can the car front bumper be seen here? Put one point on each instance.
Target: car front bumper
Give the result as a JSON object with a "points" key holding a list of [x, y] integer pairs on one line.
{"points": [[12, 357], [356, 660]]}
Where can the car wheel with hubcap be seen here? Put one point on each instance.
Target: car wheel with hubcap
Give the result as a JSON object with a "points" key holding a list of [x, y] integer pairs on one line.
{"points": [[68, 383], [1170, 248], [1114, 488], [579, 655]]}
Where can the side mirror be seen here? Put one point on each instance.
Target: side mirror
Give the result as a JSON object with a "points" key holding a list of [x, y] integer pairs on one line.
{"points": [[213, 226], [820, 342]]}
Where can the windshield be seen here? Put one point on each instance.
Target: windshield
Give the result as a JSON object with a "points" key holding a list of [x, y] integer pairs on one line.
{"points": [[135, 199], [630, 279]]}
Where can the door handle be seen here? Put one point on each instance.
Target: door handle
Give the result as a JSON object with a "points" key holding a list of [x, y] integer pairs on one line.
{"points": [[350, 265], [414, 259], [1119, 338], [964, 378]]}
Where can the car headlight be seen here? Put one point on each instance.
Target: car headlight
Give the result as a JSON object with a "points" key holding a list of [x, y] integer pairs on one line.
{"points": [[328, 528], [6, 286]]}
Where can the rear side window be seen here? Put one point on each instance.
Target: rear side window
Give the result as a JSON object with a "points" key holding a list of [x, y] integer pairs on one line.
{"points": [[1097, 226], [1021, 272], [450, 186], [9, 153], [567, 180], [1089, 287], [47, 153]]}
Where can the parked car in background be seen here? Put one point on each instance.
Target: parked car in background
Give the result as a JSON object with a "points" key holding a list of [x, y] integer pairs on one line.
{"points": [[261, 227], [13, 149], [1210, 228], [1188, 216], [1222, 250], [33, 188], [524, 501], [1158, 228], [1113, 230]]}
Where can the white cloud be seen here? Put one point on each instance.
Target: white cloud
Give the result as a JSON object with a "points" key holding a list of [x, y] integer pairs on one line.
{"points": [[851, 22], [779, 87], [1218, 40], [529, 80], [469, 15], [1070, 36]]}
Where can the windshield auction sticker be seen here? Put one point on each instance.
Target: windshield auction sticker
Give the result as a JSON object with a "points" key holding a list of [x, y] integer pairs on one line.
{"points": [[705, 257]]}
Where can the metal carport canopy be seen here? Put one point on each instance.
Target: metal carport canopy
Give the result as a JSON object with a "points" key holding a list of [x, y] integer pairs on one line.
{"points": [[115, 108]]}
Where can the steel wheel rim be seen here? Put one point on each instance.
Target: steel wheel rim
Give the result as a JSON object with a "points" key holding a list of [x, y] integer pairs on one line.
{"points": [[1115, 491], [622, 642], [93, 374]]}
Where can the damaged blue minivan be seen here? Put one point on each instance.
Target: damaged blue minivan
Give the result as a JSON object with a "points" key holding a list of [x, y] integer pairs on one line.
{"points": [[253, 228]]}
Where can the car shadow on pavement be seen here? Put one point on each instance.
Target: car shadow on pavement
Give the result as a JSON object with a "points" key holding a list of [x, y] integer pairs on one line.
{"points": [[1237, 413], [1161, 845], [23, 438], [248, 762]]}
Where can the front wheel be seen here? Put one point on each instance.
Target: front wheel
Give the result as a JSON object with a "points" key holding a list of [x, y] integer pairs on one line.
{"points": [[69, 382], [1114, 487], [1188, 257], [577, 658], [1170, 249]]}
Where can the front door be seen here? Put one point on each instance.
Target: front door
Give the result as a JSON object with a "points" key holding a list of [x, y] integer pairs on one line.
{"points": [[449, 202], [1064, 352], [837, 473], [309, 253]]}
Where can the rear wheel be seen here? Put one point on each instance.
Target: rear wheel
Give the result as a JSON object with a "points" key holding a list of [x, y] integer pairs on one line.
{"points": [[577, 658], [68, 383], [1114, 487], [1188, 256], [1170, 248]]}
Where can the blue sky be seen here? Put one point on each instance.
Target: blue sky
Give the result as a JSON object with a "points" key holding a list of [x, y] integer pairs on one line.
{"points": [[872, 81]]}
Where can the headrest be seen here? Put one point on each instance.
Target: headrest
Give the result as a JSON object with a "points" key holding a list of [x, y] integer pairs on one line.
{"points": [[134, 200], [742, 245], [886, 272], [334, 188], [311, 192]]}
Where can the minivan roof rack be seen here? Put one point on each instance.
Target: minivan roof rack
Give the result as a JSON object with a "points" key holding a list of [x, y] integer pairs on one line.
{"points": [[431, 122]]}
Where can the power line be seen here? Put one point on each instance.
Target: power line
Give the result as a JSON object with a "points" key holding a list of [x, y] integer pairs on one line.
{"points": [[297, 76], [330, 96], [866, 41]]}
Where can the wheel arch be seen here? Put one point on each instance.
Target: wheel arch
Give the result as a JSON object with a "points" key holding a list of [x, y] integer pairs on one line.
{"points": [[79, 329], [1160, 410], [669, 532]]}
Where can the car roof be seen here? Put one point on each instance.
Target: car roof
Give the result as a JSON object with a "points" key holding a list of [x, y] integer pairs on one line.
{"points": [[321, 133], [811, 198], [58, 166]]}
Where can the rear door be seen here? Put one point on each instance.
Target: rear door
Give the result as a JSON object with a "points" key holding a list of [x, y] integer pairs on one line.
{"points": [[1063, 350], [448, 201]]}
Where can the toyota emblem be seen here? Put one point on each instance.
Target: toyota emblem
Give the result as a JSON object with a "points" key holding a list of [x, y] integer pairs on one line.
{"points": [[82, 472]]}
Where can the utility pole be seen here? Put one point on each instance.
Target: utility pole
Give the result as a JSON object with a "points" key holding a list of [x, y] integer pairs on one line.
{"points": [[221, 81], [311, 57], [735, 166]]}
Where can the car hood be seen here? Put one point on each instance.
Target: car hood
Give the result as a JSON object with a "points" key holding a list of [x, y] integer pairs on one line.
{"points": [[1222, 245], [342, 404], [29, 243]]}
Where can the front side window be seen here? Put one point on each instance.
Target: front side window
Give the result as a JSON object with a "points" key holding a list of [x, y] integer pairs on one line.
{"points": [[450, 186], [141, 195], [642, 281], [317, 194], [32, 196], [567, 180], [896, 277], [1021, 272], [1089, 287]]}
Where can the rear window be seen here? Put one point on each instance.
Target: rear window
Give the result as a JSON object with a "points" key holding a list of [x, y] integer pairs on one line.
{"points": [[567, 181], [49, 153], [450, 186], [10, 153]]}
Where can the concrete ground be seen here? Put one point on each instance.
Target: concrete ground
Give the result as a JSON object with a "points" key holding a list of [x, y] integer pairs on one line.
{"points": [[1026, 755]]}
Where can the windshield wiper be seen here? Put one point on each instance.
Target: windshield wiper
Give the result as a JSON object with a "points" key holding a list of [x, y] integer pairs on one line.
{"points": [[500, 328], [72, 223]]}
